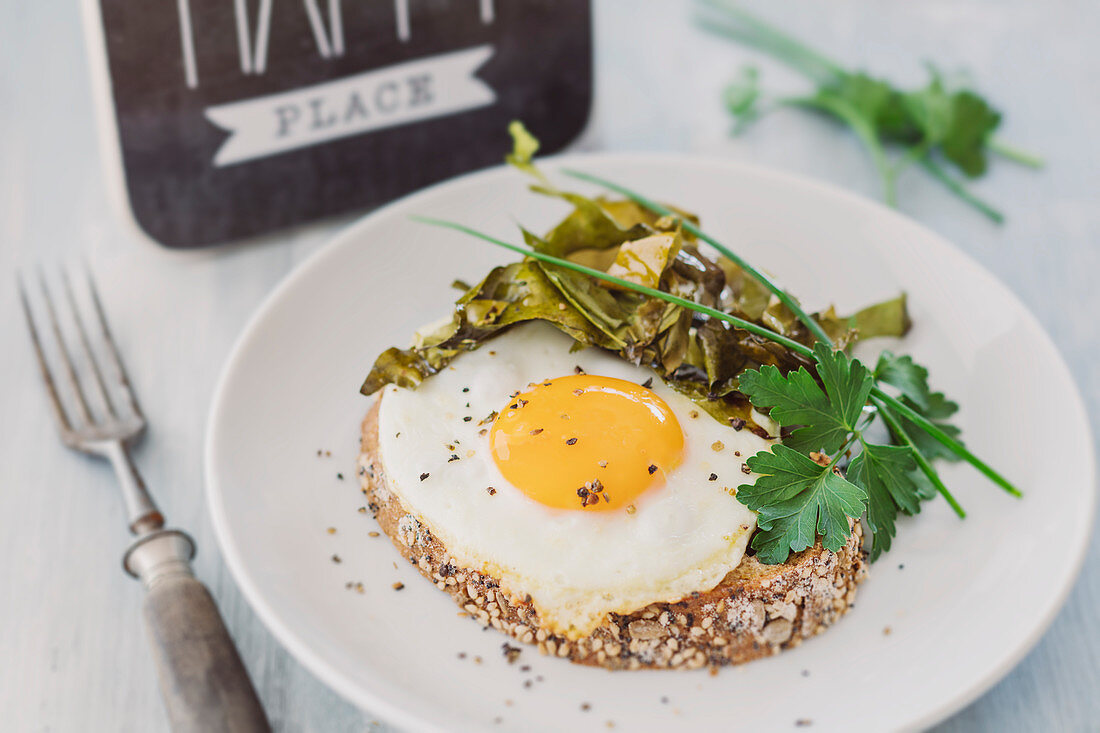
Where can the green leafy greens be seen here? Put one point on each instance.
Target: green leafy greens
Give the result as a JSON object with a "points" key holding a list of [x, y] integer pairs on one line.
{"points": [[629, 276], [797, 499], [829, 419], [697, 355], [939, 123]]}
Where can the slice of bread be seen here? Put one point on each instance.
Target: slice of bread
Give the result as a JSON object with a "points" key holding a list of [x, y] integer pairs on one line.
{"points": [[755, 611]]}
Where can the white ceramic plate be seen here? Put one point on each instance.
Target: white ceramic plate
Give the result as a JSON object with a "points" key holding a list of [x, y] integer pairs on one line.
{"points": [[942, 617]]}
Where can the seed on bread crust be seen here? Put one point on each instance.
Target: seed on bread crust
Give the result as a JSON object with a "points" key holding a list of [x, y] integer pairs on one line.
{"points": [[756, 611]]}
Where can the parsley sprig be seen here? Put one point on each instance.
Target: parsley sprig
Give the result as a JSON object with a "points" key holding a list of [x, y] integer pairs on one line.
{"points": [[825, 414], [830, 421], [941, 124]]}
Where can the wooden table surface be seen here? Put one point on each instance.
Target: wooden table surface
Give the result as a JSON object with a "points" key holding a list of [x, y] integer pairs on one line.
{"points": [[72, 648]]}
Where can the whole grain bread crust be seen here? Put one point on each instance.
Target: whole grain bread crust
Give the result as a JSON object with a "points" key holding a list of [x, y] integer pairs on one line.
{"points": [[755, 611]]}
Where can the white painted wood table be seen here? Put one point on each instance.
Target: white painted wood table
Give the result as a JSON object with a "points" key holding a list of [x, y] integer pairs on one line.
{"points": [[72, 651]]}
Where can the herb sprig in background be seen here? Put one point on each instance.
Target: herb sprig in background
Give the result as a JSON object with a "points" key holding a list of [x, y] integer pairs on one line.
{"points": [[938, 126]]}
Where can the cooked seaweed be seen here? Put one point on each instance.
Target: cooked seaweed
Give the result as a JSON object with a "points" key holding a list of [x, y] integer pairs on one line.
{"points": [[695, 354]]}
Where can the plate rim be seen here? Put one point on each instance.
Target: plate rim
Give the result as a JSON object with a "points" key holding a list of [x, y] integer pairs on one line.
{"points": [[377, 705]]}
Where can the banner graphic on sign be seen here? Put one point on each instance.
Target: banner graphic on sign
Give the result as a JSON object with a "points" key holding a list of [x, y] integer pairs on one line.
{"points": [[396, 95]]}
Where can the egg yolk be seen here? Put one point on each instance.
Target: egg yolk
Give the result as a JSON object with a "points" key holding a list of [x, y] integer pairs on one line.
{"points": [[586, 442]]}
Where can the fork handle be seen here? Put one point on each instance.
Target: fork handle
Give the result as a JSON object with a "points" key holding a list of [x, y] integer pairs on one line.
{"points": [[204, 683], [202, 679]]}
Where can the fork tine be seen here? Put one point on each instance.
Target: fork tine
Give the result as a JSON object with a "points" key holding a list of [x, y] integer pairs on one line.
{"points": [[112, 350], [43, 365], [63, 350], [86, 343]]}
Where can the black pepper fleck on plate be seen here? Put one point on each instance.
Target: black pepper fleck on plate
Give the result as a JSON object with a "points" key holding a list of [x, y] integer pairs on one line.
{"points": [[424, 476], [712, 477], [511, 653]]}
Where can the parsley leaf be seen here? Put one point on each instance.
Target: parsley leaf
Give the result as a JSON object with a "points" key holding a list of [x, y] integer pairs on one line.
{"points": [[825, 417], [886, 473], [846, 380], [797, 499], [972, 123], [911, 379], [931, 448], [796, 399], [930, 112]]}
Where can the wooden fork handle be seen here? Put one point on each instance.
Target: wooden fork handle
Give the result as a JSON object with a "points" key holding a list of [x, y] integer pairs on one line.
{"points": [[205, 686]]}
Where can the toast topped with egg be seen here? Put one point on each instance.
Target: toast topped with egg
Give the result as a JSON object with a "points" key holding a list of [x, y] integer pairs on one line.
{"points": [[755, 610], [594, 513]]}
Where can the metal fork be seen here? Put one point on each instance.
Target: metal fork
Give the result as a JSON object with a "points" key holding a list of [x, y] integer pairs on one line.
{"points": [[204, 684]]}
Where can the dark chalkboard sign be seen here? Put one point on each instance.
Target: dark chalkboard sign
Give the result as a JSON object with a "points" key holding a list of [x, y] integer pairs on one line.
{"points": [[236, 117]]}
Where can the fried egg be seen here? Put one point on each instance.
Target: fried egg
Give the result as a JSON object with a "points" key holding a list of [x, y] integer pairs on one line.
{"points": [[575, 478]]}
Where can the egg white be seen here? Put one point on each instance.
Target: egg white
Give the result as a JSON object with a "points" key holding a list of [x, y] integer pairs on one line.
{"points": [[576, 565]]}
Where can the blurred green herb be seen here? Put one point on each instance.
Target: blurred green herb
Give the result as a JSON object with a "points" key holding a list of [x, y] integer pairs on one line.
{"points": [[935, 125]]}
